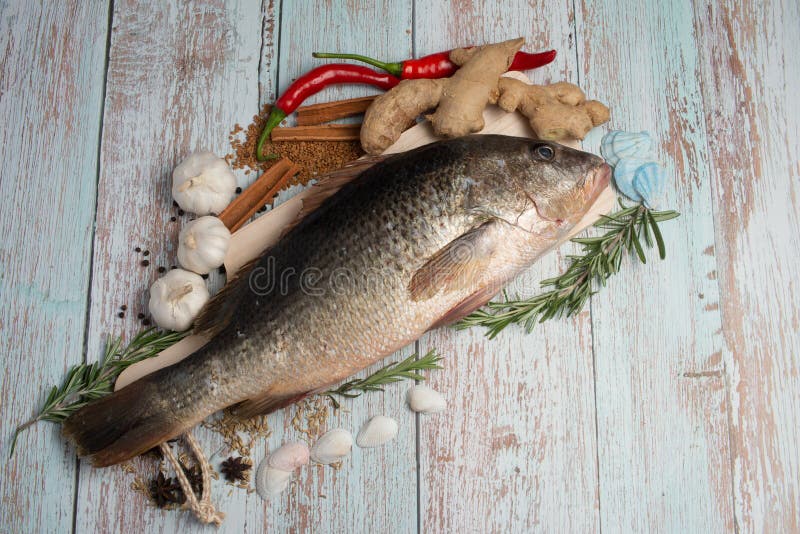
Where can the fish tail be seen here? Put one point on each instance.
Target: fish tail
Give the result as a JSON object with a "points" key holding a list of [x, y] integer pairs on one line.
{"points": [[125, 424]]}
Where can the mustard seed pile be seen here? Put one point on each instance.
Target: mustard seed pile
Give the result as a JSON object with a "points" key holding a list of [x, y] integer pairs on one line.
{"points": [[314, 157]]}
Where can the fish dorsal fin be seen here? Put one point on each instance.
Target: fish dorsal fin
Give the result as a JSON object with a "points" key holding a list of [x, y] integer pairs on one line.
{"points": [[329, 184], [458, 265], [218, 312]]}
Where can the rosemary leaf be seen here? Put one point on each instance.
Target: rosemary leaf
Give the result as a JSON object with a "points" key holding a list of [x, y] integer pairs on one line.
{"points": [[391, 373], [569, 292], [90, 381]]}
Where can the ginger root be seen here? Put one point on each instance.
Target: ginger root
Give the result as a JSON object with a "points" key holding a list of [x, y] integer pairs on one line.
{"points": [[460, 98], [556, 111]]}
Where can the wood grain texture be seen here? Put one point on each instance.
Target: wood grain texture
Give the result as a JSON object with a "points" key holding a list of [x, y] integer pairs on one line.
{"points": [[515, 452], [749, 81], [180, 75], [671, 405], [660, 376], [377, 488], [50, 111]]}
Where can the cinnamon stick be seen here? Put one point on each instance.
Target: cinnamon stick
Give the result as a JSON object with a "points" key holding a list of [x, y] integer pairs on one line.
{"points": [[268, 196], [245, 205], [326, 132], [329, 111]]}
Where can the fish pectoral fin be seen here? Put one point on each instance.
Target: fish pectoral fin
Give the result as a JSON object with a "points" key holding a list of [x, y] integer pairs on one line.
{"points": [[329, 184], [461, 264], [266, 403]]}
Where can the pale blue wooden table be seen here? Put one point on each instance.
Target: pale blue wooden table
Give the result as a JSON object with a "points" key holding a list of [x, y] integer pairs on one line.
{"points": [[670, 405]]}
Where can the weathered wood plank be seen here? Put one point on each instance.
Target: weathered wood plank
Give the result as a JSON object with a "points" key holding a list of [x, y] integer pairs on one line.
{"points": [[664, 462], [180, 75], [51, 87], [515, 452], [749, 80], [376, 488]]}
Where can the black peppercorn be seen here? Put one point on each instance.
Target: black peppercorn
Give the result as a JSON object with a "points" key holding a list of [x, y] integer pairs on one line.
{"points": [[140, 316], [138, 249], [181, 212], [145, 263], [162, 269], [146, 253], [121, 315], [238, 190]]}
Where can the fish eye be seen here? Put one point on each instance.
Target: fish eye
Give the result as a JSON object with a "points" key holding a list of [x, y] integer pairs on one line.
{"points": [[544, 152]]}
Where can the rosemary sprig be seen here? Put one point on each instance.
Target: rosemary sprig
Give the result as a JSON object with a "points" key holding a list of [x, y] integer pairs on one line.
{"points": [[89, 381], [394, 372], [601, 258]]}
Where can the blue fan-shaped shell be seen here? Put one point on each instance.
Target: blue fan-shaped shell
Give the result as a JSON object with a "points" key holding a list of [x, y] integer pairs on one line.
{"points": [[649, 181], [617, 145], [624, 172]]}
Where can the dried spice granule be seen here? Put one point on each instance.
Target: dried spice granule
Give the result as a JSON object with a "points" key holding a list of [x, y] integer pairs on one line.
{"points": [[146, 322], [145, 263], [174, 203], [140, 316], [173, 218], [121, 315], [181, 213], [146, 253], [162, 269], [314, 157], [238, 190], [137, 249]]}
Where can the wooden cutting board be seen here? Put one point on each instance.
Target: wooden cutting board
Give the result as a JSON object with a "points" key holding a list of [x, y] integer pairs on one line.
{"points": [[253, 239]]}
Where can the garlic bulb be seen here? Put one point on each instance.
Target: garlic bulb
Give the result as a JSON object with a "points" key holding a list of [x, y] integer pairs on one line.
{"points": [[423, 399], [332, 446], [176, 298], [202, 244], [377, 431], [270, 481], [203, 183], [290, 456]]}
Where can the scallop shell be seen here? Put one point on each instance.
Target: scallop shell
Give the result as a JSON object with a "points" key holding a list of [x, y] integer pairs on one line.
{"points": [[617, 145], [624, 172], [270, 481], [290, 456], [332, 446], [423, 399], [377, 431], [649, 181]]}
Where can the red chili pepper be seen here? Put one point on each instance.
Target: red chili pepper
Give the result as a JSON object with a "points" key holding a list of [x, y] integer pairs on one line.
{"points": [[312, 83], [439, 65]]}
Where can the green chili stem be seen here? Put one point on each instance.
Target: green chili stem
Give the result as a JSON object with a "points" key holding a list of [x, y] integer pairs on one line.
{"points": [[392, 68], [274, 119]]}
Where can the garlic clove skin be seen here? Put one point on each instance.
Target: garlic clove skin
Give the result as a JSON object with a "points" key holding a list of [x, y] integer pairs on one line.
{"points": [[422, 399], [289, 456], [270, 482], [203, 244], [203, 183], [333, 446], [377, 431], [176, 298]]}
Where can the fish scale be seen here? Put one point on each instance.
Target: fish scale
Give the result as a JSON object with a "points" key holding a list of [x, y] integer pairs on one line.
{"points": [[413, 241]]}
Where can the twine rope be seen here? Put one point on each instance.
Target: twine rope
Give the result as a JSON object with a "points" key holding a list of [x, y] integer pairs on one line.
{"points": [[203, 509]]}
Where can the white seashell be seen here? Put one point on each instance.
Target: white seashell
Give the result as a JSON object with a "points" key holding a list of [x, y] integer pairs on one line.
{"points": [[377, 431], [649, 181], [425, 400], [617, 145], [289, 456], [624, 173], [332, 446], [270, 481]]}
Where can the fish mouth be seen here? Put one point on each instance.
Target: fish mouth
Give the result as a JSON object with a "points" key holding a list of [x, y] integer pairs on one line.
{"points": [[597, 180]]}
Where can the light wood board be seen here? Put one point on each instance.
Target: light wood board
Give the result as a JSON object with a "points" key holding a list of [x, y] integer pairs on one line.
{"points": [[670, 404]]}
